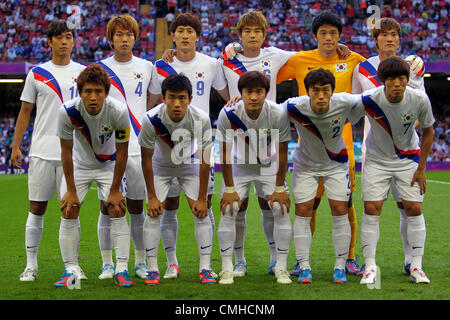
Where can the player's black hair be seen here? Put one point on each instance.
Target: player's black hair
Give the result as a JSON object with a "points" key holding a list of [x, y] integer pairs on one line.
{"points": [[253, 79], [393, 67], [326, 18], [93, 73], [58, 27], [176, 83], [321, 77], [187, 19]]}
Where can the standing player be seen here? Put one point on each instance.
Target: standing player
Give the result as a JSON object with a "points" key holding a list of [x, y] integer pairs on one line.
{"points": [[130, 78], [327, 30], [393, 156], [166, 157], [262, 132], [387, 39], [47, 86], [204, 72], [252, 28], [94, 130], [321, 154]]}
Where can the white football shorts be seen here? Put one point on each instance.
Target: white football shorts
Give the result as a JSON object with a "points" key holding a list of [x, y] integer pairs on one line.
{"points": [[44, 177], [190, 184]]}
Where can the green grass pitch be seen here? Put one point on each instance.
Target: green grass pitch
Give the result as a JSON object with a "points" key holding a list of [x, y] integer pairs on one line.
{"points": [[258, 285]]}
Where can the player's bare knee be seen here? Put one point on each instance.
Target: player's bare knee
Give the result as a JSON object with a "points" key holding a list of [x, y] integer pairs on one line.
{"points": [[135, 206], [244, 205], [304, 209], [373, 207], [412, 208], [38, 207], [263, 204], [172, 203], [103, 208]]}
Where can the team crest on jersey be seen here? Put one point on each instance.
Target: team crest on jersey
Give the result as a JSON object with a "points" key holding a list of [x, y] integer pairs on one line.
{"points": [[335, 122], [408, 118], [200, 75], [105, 129], [74, 81], [138, 76], [265, 64], [340, 66]]}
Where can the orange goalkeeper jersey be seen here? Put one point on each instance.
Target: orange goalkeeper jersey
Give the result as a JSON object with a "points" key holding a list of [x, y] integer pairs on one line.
{"points": [[298, 66]]}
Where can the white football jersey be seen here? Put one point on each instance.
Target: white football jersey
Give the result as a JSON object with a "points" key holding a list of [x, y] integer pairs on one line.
{"points": [[253, 150], [95, 136], [175, 144], [321, 147], [269, 61], [130, 82], [48, 86], [392, 141], [203, 71]]}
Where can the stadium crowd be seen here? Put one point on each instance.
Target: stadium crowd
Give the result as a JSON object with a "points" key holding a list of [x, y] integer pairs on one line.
{"points": [[424, 25], [22, 38]]}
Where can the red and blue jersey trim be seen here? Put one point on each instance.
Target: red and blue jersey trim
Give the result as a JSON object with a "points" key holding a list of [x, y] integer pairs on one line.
{"points": [[44, 76], [161, 130], [235, 65], [374, 111], [115, 81], [164, 69], [78, 121], [369, 71], [298, 116]]}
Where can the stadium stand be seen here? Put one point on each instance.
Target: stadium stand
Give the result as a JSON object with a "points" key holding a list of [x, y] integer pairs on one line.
{"points": [[424, 24]]}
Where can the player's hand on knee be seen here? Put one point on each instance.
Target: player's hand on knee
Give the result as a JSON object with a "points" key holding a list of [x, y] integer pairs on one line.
{"points": [[70, 206], [168, 55], [228, 199], [282, 198], [200, 208], [155, 207], [16, 158], [419, 177], [231, 50]]}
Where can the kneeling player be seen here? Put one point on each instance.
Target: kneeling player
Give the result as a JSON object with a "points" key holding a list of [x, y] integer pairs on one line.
{"points": [[176, 142], [393, 156], [100, 150], [321, 153], [262, 133]]}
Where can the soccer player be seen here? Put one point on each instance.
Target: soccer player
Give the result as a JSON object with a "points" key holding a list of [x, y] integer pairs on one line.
{"points": [[47, 86], [176, 143], [252, 28], [321, 154], [393, 156], [262, 134], [204, 72], [327, 30], [94, 130], [131, 78], [387, 39]]}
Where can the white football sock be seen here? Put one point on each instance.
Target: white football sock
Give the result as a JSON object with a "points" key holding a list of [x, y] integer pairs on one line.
{"points": [[169, 233], [302, 240], [282, 232], [241, 230], [152, 236], [404, 234], [267, 222], [137, 235], [341, 235], [104, 238], [213, 222], [416, 238], [33, 233], [120, 237], [69, 240], [226, 234], [370, 233], [203, 235]]}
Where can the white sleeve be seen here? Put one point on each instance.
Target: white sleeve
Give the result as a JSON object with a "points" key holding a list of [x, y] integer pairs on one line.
{"points": [[65, 127], [358, 110], [284, 126], [219, 81], [147, 136], [426, 118], [29, 92], [155, 84], [206, 134], [356, 85]]}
